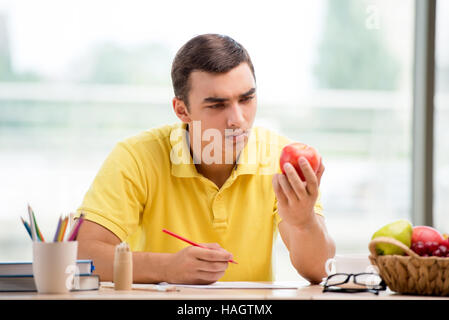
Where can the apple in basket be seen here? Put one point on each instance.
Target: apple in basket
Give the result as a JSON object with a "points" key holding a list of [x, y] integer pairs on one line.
{"points": [[400, 230], [423, 240], [428, 241]]}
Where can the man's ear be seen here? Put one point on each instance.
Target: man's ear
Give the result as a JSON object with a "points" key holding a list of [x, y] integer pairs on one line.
{"points": [[181, 110]]}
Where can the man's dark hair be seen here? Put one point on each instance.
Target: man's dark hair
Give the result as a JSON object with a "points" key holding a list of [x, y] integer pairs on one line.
{"points": [[212, 53]]}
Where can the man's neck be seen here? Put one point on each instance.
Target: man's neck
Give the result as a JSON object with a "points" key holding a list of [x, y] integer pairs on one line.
{"points": [[217, 173]]}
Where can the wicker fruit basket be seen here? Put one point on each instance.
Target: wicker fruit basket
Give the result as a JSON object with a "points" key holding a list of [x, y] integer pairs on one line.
{"points": [[411, 273]]}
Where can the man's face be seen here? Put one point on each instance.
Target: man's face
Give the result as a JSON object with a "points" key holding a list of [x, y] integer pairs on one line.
{"points": [[224, 103]]}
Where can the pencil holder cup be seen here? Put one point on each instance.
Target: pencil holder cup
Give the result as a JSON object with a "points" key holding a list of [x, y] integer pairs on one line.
{"points": [[54, 266]]}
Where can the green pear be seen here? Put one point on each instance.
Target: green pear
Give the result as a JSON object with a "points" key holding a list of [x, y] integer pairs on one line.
{"points": [[401, 230]]}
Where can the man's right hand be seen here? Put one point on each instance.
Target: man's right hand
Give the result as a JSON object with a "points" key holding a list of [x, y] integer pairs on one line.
{"points": [[195, 265]]}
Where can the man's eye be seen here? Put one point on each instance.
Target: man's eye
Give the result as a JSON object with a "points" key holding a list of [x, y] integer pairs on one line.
{"points": [[216, 106], [246, 99]]}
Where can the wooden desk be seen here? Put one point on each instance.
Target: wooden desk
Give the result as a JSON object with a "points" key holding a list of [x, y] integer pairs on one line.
{"points": [[304, 292]]}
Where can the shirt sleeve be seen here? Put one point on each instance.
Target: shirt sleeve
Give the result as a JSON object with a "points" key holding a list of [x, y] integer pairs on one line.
{"points": [[118, 194]]}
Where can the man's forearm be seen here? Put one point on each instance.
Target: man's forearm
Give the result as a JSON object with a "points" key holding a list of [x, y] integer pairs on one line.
{"points": [[309, 247], [148, 267]]}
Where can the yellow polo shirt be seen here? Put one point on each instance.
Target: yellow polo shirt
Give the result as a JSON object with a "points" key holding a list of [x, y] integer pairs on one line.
{"points": [[149, 182]]}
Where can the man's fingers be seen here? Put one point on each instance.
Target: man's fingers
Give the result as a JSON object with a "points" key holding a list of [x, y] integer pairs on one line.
{"points": [[205, 277], [320, 172], [216, 246], [295, 181], [212, 254], [208, 266], [311, 178], [278, 189], [287, 188], [212, 245]]}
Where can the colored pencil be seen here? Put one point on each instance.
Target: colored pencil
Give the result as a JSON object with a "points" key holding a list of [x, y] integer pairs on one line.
{"points": [[76, 227], [27, 227], [32, 224], [63, 228], [38, 231], [188, 241], [55, 238]]}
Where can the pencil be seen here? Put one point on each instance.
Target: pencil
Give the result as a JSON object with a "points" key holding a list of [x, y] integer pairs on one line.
{"points": [[32, 225], [39, 234], [189, 242], [55, 238], [27, 227], [76, 227], [63, 228]]}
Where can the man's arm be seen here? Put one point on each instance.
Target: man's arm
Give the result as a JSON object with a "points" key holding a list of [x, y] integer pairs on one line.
{"points": [[302, 230], [309, 248], [189, 265]]}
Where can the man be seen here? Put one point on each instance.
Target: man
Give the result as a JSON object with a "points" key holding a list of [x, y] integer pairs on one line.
{"points": [[213, 179]]}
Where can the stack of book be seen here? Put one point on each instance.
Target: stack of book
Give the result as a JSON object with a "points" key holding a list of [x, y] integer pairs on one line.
{"points": [[18, 276]]}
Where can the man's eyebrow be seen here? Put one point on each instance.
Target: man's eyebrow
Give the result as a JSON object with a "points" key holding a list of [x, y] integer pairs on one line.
{"points": [[218, 100], [214, 99], [248, 93]]}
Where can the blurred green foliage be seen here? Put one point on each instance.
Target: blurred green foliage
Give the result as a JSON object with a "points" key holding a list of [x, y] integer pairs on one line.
{"points": [[351, 55]]}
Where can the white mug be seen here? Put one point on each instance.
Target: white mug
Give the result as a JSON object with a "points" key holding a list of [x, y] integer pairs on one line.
{"points": [[54, 266], [348, 263]]}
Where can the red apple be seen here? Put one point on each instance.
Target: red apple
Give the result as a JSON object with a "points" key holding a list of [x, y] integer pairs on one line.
{"points": [[425, 234], [445, 242], [294, 151]]}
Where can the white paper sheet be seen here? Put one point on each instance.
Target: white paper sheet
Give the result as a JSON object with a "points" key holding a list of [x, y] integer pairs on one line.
{"points": [[237, 285]]}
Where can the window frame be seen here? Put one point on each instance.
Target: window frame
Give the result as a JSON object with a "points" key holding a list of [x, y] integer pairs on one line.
{"points": [[423, 126]]}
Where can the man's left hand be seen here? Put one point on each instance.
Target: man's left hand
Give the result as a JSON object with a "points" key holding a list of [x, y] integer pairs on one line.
{"points": [[296, 199]]}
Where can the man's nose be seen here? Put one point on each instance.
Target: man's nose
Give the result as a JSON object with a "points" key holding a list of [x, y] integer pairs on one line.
{"points": [[235, 116]]}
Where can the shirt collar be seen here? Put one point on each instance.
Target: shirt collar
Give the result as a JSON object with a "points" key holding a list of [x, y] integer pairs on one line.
{"points": [[180, 158]]}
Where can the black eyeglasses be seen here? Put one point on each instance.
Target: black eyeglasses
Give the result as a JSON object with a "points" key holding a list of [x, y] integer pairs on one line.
{"points": [[363, 282]]}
